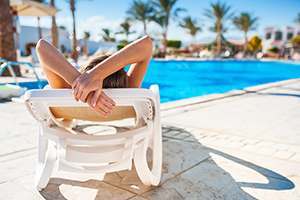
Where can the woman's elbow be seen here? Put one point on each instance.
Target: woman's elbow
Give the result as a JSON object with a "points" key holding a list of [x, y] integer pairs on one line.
{"points": [[41, 46], [147, 45]]}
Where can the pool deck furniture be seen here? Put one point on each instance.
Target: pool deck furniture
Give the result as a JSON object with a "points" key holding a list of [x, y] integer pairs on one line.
{"points": [[242, 145], [62, 148], [8, 91]]}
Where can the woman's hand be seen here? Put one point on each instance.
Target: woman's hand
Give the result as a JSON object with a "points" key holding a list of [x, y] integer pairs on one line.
{"points": [[102, 106], [86, 83]]}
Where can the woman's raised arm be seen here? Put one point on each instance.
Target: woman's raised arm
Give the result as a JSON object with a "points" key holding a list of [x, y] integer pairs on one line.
{"points": [[61, 74], [138, 53], [52, 60]]}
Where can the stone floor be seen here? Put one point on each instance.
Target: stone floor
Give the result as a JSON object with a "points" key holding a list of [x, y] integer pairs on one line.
{"points": [[240, 147]]}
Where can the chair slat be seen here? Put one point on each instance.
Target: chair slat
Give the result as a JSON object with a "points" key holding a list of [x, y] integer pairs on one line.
{"points": [[96, 155], [104, 168]]}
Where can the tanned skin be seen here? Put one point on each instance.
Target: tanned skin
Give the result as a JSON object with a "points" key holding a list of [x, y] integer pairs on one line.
{"points": [[87, 87]]}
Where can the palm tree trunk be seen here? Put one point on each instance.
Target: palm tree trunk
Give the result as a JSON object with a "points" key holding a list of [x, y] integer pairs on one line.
{"points": [[219, 43], [219, 38], [39, 28], [74, 42], [165, 41], [145, 27], [54, 31], [7, 43], [127, 37], [246, 42]]}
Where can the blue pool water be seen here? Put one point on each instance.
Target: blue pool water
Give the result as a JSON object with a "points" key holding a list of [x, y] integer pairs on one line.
{"points": [[34, 85], [184, 79]]}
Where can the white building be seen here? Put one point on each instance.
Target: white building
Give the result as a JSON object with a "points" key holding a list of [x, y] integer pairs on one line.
{"points": [[279, 36], [28, 37]]}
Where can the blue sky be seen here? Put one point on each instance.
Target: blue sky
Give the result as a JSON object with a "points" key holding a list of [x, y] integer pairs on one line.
{"points": [[92, 15]]}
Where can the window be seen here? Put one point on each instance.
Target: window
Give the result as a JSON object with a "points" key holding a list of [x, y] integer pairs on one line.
{"points": [[278, 35], [289, 36], [268, 36]]}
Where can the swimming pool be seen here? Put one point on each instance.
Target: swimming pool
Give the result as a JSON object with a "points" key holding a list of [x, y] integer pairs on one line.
{"points": [[184, 79]]}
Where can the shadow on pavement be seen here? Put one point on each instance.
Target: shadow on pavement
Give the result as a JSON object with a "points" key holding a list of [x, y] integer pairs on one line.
{"points": [[188, 173]]}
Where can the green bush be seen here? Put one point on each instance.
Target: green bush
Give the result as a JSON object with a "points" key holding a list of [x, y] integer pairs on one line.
{"points": [[122, 44], [274, 50], [174, 44]]}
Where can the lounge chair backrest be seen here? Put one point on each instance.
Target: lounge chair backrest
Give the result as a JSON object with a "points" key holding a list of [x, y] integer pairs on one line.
{"points": [[59, 103]]}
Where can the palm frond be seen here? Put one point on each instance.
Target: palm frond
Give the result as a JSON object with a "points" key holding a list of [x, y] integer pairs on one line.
{"points": [[191, 25], [245, 22]]}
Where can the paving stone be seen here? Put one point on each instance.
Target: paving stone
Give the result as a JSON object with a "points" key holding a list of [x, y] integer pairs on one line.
{"points": [[13, 169], [296, 157], [282, 154], [91, 189], [250, 141], [137, 198], [13, 191], [283, 147], [204, 181], [294, 148], [177, 157]]}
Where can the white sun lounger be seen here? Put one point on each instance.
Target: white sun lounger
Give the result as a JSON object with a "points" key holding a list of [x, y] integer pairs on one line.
{"points": [[63, 148]]}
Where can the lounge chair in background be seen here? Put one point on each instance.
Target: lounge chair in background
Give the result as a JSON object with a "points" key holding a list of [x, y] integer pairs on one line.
{"points": [[63, 148]]}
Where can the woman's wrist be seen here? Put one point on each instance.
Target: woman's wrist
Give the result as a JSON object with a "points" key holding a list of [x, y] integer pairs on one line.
{"points": [[96, 75], [73, 75]]}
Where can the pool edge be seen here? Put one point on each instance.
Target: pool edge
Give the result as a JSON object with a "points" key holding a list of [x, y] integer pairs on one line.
{"points": [[214, 97]]}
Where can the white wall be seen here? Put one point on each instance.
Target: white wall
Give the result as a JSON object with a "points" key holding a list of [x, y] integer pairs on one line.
{"points": [[268, 43]]}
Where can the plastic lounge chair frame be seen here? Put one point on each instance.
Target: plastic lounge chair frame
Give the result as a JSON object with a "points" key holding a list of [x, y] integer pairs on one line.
{"points": [[58, 149]]}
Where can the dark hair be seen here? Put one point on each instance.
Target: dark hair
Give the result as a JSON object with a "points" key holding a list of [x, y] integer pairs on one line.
{"points": [[119, 79]]}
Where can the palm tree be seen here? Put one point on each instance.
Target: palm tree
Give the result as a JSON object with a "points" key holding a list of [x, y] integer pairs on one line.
{"points": [[54, 31], [74, 54], [7, 43], [164, 11], [126, 29], [245, 22], [219, 13], [191, 25], [297, 20], [39, 20], [141, 11], [86, 37], [107, 35]]}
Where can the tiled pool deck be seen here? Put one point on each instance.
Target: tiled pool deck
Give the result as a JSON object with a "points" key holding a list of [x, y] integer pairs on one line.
{"points": [[241, 145]]}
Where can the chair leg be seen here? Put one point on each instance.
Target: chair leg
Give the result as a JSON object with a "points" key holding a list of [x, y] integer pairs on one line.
{"points": [[46, 162], [42, 146], [150, 176]]}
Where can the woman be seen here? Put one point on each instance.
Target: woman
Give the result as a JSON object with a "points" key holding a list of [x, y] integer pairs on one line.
{"points": [[101, 72]]}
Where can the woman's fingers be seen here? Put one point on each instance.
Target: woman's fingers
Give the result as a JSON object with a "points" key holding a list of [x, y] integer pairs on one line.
{"points": [[96, 97], [100, 110], [108, 99], [75, 82], [84, 96], [105, 105]]}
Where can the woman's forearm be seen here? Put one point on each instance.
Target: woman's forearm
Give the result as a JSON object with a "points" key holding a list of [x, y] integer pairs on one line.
{"points": [[53, 60], [139, 51]]}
